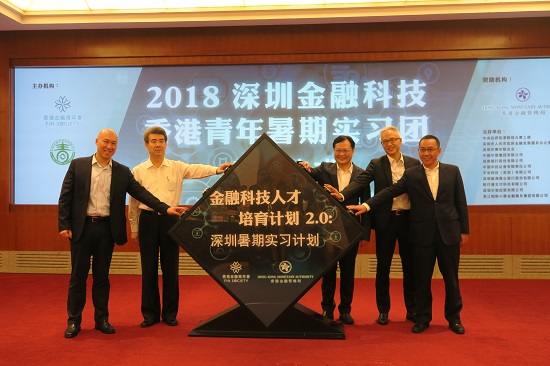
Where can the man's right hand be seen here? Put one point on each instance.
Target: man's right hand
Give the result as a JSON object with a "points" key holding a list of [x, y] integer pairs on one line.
{"points": [[359, 209], [66, 234], [135, 237], [334, 192], [305, 165]]}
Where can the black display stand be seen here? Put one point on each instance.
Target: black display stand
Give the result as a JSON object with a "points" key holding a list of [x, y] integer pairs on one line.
{"points": [[295, 322], [267, 232]]}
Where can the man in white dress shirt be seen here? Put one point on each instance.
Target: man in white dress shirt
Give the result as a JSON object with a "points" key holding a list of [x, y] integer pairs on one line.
{"points": [[164, 179]]}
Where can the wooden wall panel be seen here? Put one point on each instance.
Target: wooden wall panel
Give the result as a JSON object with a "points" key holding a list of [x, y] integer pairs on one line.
{"points": [[45, 43], [489, 234], [36, 228], [531, 234], [494, 230]]}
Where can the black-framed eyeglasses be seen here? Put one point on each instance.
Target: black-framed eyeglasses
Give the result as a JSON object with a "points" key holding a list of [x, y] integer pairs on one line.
{"points": [[342, 151], [393, 140], [430, 150]]}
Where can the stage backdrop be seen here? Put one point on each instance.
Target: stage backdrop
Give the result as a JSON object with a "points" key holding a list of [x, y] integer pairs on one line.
{"points": [[491, 116]]}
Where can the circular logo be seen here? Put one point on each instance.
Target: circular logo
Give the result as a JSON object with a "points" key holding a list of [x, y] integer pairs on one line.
{"points": [[219, 253], [269, 71], [285, 267], [523, 94], [197, 233], [62, 152], [428, 73], [335, 236]]}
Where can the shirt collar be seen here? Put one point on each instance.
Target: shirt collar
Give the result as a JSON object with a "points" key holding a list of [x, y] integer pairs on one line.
{"points": [[393, 161], [149, 163], [350, 169], [436, 168], [94, 161]]}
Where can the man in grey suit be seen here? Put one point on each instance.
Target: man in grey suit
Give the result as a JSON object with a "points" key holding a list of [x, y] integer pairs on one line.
{"points": [[390, 222], [438, 227], [92, 215]]}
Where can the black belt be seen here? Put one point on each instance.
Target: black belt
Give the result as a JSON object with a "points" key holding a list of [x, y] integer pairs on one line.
{"points": [[152, 213], [97, 219], [400, 212]]}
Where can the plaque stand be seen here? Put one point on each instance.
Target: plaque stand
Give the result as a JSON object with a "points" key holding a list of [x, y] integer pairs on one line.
{"points": [[295, 322], [268, 252]]}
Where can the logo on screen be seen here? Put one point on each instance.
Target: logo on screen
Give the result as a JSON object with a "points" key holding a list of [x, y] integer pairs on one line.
{"points": [[62, 152], [523, 94], [63, 104]]}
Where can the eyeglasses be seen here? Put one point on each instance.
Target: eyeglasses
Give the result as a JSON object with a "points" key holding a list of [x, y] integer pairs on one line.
{"points": [[393, 140], [342, 151], [430, 150]]}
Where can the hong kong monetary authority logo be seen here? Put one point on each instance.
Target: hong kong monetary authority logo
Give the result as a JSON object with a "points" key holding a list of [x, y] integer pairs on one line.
{"points": [[62, 152]]}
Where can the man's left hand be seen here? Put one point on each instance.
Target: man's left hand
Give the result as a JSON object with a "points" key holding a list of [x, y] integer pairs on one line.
{"points": [[464, 239], [177, 210], [222, 168]]}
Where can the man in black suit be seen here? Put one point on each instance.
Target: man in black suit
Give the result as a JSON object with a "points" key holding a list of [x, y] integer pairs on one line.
{"points": [[339, 175], [438, 227], [390, 222], [92, 215]]}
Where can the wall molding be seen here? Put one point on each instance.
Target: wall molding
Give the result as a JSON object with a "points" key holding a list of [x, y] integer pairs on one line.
{"points": [[471, 266]]}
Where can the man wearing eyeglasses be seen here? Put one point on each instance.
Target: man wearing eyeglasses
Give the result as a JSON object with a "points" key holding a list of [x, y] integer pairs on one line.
{"points": [[438, 227], [339, 175], [390, 222]]}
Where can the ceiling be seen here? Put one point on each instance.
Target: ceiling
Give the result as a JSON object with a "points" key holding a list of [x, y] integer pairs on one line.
{"points": [[14, 18]]}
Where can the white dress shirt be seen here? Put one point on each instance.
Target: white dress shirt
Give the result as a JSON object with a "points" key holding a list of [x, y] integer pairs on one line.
{"points": [[164, 182], [100, 189], [344, 176], [433, 179], [401, 202]]}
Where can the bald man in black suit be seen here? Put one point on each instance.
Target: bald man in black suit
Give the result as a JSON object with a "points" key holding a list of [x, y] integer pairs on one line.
{"points": [[92, 215]]}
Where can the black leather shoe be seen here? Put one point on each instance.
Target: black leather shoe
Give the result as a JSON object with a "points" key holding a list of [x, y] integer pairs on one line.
{"points": [[104, 327], [328, 314], [457, 328], [382, 319], [411, 317], [147, 323], [72, 330], [346, 318], [171, 322], [420, 327]]}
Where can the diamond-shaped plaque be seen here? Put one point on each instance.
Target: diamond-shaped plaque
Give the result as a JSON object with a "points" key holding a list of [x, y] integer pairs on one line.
{"points": [[267, 232]]}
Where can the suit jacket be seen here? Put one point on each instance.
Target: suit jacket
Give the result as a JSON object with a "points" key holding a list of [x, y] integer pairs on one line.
{"points": [[448, 212], [379, 171], [75, 193], [327, 173]]}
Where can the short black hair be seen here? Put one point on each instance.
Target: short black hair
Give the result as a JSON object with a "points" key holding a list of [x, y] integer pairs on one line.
{"points": [[342, 138], [430, 137]]}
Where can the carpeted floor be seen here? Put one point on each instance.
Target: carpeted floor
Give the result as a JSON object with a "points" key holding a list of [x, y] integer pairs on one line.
{"points": [[506, 324]]}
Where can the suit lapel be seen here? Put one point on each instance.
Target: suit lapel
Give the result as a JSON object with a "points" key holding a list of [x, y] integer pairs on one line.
{"points": [[334, 175], [442, 179], [114, 176], [407, 161], [386, 168], [424, 181], [87, 177], [354, 172]]}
